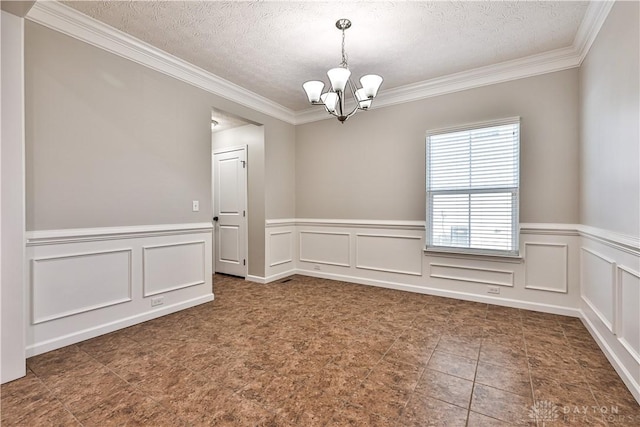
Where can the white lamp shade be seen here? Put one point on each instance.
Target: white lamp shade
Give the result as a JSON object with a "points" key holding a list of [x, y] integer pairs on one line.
{"points": [[330, 99], [370, 84], [313, 89], [339, 78], [363, 101]]}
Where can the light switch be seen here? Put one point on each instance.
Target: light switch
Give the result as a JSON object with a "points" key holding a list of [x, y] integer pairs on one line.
{"points": [[196, 206]]}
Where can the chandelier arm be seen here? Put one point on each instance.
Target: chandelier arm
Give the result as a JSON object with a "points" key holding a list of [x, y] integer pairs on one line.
{"points": [[355, 109]]}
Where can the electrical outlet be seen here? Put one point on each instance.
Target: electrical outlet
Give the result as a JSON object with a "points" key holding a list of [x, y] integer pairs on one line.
{"points": [[157, 301], [493, 290], [316, 267], [195, 206]]}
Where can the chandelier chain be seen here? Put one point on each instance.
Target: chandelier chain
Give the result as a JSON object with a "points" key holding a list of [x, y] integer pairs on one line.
{"points": [[344, 55]]}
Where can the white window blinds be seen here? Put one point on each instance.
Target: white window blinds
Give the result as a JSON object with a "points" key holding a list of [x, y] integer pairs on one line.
{"points": [[472, 188]]}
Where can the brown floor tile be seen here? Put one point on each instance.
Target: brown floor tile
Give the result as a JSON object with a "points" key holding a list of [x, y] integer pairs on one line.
{"points": [[319, 352], [452, 364], [506, 314], [337, 380], [427, 411], [565, 373], [619, 404], [129, 407], [112, 347], [492, 327], [461, 345], [409, 349], [515, 381], [479, 420], [355, 416], [562, 394], [27, 402], [501, 405], [469, 327], [79, 392], [503, 353], [387, 388], [447, 388], [59, 362]]}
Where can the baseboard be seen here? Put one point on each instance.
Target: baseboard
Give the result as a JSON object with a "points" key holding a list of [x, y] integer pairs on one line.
{"points": [[255, 279], [506, 302], [624, 374], [279, 276], [59, 342]]}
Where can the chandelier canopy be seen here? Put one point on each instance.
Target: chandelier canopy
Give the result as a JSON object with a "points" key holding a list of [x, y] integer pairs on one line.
{"points": [[341, 84]]}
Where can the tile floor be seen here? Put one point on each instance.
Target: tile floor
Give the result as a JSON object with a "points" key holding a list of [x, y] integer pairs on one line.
{"points": [[318, 352]]}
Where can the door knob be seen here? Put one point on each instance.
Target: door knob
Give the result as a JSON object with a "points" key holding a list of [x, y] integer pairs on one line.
{"points": [[215, 218]]}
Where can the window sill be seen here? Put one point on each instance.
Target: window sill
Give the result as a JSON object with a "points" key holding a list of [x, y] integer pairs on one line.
{"points": [[515, 259]]}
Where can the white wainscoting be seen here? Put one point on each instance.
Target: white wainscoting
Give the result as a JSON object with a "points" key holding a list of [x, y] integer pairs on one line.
{"points": [[610, 285], [87, 282], [391, 254]]}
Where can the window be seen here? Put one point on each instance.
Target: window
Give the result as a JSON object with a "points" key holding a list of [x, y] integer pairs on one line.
{"points": [[472, 188]]}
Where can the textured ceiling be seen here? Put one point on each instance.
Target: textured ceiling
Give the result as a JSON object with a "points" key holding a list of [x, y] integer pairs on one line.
{"points": [[271, 48]]}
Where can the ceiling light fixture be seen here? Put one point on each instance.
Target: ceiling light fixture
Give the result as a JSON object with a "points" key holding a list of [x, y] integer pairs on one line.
{"points": [[334, 99]]}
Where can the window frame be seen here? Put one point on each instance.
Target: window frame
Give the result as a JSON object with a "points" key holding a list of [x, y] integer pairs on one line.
{"points": [[515, 194]]}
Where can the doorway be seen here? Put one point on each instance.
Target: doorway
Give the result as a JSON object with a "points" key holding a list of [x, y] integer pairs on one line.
{"points": [[229, 184]]}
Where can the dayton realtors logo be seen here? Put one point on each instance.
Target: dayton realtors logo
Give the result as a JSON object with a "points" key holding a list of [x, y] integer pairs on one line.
{"points": [[544, 413]]}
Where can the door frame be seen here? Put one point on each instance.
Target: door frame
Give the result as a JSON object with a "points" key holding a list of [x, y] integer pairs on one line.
{"points": [[245, 219]]}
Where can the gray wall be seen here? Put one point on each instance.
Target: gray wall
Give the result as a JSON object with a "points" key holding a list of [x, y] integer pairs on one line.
{"points": [[609, 112], [280, 180], [373, 166], [112, 143]]}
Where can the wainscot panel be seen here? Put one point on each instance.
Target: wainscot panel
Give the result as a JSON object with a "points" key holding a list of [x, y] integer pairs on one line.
{"points": [[546, 266], [325, 247], [390, 253], [598, 281], [173, 266], [72, 284], [628, 315], [465, 273], [281, 247]]}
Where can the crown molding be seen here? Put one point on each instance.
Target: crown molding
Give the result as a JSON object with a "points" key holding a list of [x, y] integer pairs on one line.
{"points": [[66, 20], [594, 18]]}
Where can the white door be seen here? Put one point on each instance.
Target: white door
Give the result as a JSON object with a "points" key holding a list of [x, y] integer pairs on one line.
{"points": [[229, 210]]}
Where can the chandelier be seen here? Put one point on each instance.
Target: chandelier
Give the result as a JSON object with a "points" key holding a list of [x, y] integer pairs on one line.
{"points": [[334, 99]]}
